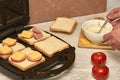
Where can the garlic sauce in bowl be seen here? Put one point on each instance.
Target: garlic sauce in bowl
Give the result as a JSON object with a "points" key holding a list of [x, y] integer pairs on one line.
{"points": [[91, 27], [96, 27]]}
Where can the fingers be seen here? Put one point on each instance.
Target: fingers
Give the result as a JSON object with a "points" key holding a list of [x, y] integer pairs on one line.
{"points": [[112, 41], [116, 24], [113, 14], [106, 37], [115, 44]]}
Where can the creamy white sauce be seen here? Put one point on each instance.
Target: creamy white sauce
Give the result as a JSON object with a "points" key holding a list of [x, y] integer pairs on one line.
{"points": [[96, 27]]}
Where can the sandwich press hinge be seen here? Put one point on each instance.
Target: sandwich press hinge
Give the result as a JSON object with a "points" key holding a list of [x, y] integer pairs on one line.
{"points": [[6, 33], [19, 28]]}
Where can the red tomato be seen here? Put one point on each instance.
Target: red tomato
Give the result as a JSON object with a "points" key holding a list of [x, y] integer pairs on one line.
{"points": [[98, 58], [100, 72]]}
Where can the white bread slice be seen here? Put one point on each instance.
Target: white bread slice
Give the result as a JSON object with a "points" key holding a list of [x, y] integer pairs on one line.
{"points": [[31, 41], [63, 24], [16, 47], [27, 50], [26, 64], [50, 46]]}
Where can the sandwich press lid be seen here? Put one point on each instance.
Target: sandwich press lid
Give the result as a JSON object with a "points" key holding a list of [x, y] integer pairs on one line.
{"points": [[14, 15]]}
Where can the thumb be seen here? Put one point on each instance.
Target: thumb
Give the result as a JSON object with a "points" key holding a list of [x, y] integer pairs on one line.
{"points": [[107, 37]]}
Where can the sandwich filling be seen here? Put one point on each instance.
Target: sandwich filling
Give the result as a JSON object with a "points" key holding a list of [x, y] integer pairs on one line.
{"points": [[36, 30], [18, 57], [37, 33], [34, 56], [9, 42], [26, 34], [5, 50]]}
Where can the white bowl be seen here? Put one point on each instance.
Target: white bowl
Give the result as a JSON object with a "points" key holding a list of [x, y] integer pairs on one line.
{"points": [[91, 27]]}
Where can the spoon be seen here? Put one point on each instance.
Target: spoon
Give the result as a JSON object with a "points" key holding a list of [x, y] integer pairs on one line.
{"points": [[102, 26]]}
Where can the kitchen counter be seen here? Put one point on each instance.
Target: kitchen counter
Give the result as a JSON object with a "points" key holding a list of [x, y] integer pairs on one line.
{"points": [[81, 69]]}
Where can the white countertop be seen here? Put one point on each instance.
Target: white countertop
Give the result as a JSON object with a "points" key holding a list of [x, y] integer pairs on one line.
{"points": [[81, 69]]}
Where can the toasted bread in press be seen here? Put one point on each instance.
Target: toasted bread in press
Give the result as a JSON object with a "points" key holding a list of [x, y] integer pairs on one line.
{"points": [[16, 47], [51, 46], [26, 64], [32, 40]]}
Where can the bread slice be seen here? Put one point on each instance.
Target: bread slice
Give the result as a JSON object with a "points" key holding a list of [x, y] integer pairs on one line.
{"points": [[63, 24], [31, 41], [26, 64], [16, 47], [50, 46]]}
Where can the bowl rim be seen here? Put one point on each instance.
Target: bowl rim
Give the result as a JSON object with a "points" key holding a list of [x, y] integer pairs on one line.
{"points": [[85, 22]]}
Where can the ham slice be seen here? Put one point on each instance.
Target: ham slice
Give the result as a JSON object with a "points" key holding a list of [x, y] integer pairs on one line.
{"points": [[36, 30], [37, 36]]}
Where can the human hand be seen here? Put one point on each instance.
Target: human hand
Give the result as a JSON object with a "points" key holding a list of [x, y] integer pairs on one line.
{"points": [[113, 38], [114, 17]]}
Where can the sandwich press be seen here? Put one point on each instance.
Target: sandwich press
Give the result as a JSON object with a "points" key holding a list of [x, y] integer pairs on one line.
{"points": [[14, 15]]}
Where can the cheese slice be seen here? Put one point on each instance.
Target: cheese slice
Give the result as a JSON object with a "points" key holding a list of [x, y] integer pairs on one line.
{"points": [[18, 56], [34, 55], [5, 50], [9, 41], [26, 34]]}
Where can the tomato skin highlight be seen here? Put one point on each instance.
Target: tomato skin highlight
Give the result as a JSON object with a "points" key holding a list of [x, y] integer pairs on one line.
{"points": [[100, 72], [98, 58]]}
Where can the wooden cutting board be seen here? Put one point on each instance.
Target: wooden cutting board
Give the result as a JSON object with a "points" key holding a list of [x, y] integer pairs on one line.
{"points": [[85, 43]]}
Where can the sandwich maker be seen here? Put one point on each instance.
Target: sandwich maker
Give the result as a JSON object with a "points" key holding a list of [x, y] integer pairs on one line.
{"points": [[14, 16]]}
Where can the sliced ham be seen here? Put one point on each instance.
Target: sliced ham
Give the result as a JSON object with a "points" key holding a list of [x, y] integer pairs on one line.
{"points": [[36, 30], [37, 36]]}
